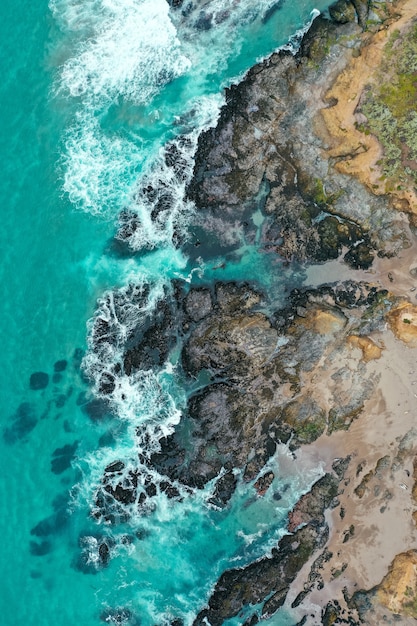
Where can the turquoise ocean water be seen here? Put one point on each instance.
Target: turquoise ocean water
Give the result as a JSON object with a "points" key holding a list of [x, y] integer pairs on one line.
{"points": [[91, 91]]}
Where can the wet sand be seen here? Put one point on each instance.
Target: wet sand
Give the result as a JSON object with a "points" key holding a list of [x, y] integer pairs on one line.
{"points": [[377, 518]]}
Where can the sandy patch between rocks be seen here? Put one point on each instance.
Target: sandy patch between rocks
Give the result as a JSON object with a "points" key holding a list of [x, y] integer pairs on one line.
{"points": [[378, 524]]}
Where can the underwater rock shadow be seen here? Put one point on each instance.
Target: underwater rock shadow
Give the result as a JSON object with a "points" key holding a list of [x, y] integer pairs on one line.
{"points": [[23, 421]]}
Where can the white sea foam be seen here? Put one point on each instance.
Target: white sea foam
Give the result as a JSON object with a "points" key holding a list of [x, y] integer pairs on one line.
{"points": [[104, 173], [133, 49], [127, 52], [295, 39], [98, 168]]}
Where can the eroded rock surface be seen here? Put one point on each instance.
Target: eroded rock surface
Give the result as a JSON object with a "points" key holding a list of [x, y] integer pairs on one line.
{"points": [[258, 374]]}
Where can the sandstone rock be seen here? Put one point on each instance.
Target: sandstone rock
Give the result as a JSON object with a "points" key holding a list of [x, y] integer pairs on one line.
{"points": [[403, 322], [370, 350], [398, 589]]}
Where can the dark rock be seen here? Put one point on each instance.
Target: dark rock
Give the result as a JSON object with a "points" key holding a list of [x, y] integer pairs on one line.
{"points": [[331, 613], [360, 256], [198, 304], [39, 380], [263, 155], [236, 346], [362, 11], [124, 491], [95, 553], [170, 490], [306, 418], [334, 234], [270, 578], [314, 45], [176, 159], [252, 584], [204, 21], [224, 489], [104, 553], [218, 415], [362, 602], [342, 11], [151, 345], [116, 466], [170, 457], [264, 482], [275, 602], [107, 383], [340, 466], [313, 503], [121, 616]]}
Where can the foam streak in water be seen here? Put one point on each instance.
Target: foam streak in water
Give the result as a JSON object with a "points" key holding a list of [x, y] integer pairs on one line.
{"points": [[133, 50]]}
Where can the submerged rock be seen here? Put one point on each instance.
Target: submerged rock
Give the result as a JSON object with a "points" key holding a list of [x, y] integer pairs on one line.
{"points": [[39, 380], [60, 366], [21, 423]]}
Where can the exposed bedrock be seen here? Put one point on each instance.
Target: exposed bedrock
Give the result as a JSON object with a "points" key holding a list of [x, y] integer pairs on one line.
{"points": [[266, 376], [288, 376], [257, 375], [263, 155], [269, 578]]}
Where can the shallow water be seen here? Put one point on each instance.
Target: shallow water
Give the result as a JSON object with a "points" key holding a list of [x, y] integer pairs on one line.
{"points": [[91, 92]]}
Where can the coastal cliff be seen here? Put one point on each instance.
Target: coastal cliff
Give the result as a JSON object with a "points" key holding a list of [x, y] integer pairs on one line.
{"points": [[304, 168]]}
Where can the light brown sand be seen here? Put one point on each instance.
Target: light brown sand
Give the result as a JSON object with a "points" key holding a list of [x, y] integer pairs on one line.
{"points": [[382, 518]]}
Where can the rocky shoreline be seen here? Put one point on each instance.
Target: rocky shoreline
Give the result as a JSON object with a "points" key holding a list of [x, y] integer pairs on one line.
{"points": [[316, 373]]}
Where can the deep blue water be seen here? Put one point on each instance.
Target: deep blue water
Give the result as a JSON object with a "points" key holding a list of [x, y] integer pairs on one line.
{"points": [[91, 91]]}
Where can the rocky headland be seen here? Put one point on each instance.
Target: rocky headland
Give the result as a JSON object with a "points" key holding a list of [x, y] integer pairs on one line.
{"points": [[319, 145]]}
